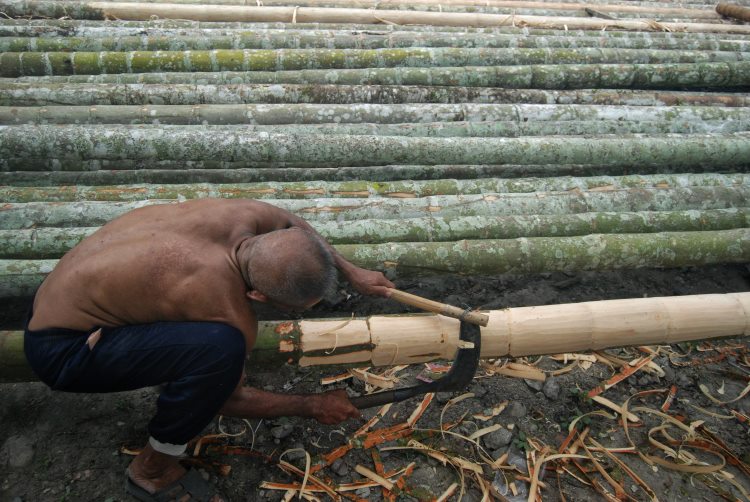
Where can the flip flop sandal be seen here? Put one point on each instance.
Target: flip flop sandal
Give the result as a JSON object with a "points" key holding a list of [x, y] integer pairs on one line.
{"points": [[191, 484]]}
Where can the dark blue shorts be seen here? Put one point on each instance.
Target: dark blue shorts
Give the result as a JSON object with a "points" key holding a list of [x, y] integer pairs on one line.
{"points": [[200, 364]]}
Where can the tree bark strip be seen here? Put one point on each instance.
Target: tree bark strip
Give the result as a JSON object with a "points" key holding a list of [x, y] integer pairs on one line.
{"points": [[227, 172], [316, 39], [571, 76], [31, 143], [363, 189], [514, 332], [144, 11], [50, 92], [45, 243], [526, 255], [17, 64], [90, 214], [340, 119], [735, 11]]}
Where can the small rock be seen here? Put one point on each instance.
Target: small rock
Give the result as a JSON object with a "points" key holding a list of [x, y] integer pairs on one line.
{"points": [[340, 467], [424, 477], [478, 389], [363, 492], [534, 384], [204, 474], [497, 439], [443, 397], [268, 388], [517, 460], [282, 431], [16, 499], [551, 388], [683, 380], [517, 409], [668, 374], [644, 381], [17, 451], [297, 452]]}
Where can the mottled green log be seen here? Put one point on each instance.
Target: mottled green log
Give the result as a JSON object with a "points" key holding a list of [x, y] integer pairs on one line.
{"points": [[90, 28], [562, 76], [506, 129], [525, 255], [363, 189], [26, 145], [91, 214], [16, 64], [296, 115], [44, 243], [48, 94], [315, 39], [227, 172]]}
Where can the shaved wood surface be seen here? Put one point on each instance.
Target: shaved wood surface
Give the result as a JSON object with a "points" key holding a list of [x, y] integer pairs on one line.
{"points": [[514, 332]]}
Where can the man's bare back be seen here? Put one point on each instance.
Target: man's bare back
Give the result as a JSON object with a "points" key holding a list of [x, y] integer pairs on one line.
{"points": [[171, 262]]}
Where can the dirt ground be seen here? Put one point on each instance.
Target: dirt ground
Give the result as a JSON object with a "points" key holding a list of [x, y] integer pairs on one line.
{"points": [[58, 447]]}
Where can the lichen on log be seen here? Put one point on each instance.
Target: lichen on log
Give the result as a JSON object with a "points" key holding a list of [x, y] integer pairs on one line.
{"points": [[44, 243], [88, 214]]}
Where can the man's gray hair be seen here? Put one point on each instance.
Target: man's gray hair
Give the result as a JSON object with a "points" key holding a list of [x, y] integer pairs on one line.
{"points": [[309, 268]]}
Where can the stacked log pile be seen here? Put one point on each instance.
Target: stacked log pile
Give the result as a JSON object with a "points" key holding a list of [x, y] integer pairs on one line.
{"points": [[421, 137]]}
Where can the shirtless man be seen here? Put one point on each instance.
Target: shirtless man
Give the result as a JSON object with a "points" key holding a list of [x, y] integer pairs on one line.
{"points": [[163, 295]]}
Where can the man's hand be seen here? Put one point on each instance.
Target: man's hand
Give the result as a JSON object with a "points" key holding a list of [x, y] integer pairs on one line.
{"points": [[333, 407], [369, 282]]}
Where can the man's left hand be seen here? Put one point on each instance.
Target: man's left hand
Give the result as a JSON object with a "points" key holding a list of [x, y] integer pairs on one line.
{"points": [[369, 282]]}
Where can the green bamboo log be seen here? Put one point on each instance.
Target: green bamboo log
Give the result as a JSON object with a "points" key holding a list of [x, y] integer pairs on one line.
{"points": [[16, 64], [144, 11], [563, 76], [363, 189], [91, 214], [224, 173], [25, 145], [19, 278], [46, 243], [493, 129], [285, 39], [48, 94], [296, 115]]}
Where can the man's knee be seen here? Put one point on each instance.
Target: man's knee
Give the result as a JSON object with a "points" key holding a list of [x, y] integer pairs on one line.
{"points": [[229, 348]]}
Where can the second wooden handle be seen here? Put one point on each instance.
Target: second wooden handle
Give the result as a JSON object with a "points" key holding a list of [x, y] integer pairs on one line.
{"points": [[439, 308]]}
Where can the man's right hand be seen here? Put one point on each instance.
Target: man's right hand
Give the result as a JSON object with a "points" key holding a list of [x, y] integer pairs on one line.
{"points": [[332, 407]]}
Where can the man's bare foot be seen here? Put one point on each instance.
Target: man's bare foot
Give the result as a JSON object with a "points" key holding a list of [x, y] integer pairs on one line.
{"points": [[154, 471]]}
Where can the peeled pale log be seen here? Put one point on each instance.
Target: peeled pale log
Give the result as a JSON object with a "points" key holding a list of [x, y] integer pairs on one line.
{"points": [[514, 332], [570, 76], [16, 64], [23, 146], [51, 91], [363, 189], [144, 11], [342, 116], [44, 243], [96, 28], [312, 39], [482, 6], [20, 278], [735, 11], [226, 172]]}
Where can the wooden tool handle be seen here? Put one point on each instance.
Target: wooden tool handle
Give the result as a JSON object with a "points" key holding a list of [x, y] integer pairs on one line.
{"points": [[439, 308]]}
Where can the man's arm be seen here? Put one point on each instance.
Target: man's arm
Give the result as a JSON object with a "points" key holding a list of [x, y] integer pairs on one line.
{"points": [[368, 282], [327, 408]]}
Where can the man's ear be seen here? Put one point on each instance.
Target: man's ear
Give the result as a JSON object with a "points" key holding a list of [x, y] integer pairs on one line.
{"points": [[256, 295]]}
